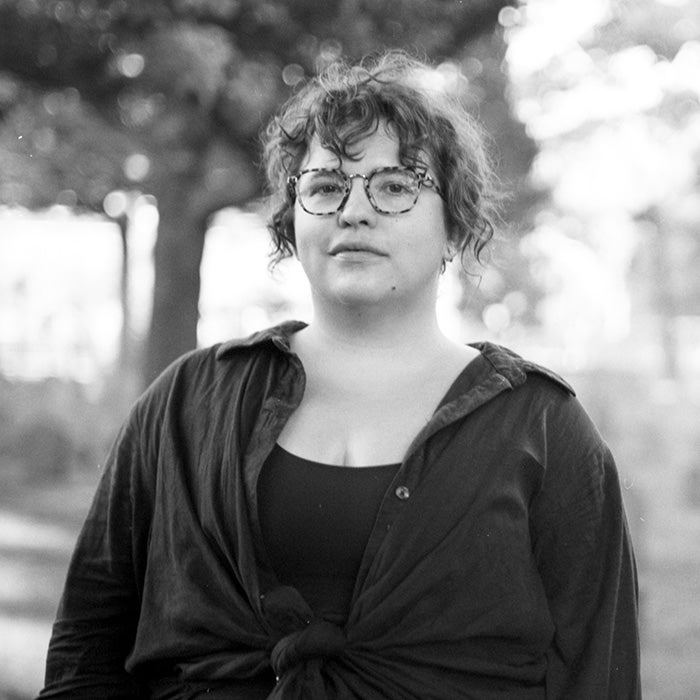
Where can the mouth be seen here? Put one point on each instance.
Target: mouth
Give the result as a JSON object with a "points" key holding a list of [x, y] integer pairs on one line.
{"points": [[355, 248]]}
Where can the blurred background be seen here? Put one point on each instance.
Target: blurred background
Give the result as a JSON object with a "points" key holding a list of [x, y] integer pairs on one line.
{"points": [[132, 229]]}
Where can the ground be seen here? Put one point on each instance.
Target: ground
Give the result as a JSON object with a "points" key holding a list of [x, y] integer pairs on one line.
{"points": [[38, 527]]}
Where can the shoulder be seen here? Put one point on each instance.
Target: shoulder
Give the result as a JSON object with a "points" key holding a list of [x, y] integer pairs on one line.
{"points": [[538, 401], [517, 371], [228, 354], [277, 337], [208, 371]]}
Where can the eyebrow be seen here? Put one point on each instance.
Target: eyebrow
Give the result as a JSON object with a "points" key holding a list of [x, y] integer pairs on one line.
{"points": [[418, 168]]}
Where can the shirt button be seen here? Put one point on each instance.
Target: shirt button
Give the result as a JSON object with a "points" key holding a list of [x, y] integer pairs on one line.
{"points": [[402, 493]]}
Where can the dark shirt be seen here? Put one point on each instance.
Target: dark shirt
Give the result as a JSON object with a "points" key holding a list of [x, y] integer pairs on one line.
{"points": [[316, 520], [499, 564]]}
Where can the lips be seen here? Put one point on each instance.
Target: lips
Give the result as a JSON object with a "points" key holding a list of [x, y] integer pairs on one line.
{"points": [[355, 248]]}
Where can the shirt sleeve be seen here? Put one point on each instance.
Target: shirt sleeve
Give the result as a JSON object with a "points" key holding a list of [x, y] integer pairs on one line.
{"points": [[585, 559], [98, 613]]}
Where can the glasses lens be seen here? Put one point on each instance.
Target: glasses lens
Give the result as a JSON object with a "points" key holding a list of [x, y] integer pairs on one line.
{"points": [[321, 191], [394, 191]]}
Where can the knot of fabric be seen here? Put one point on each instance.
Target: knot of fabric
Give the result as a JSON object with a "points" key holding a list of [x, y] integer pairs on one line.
{"points": [[286, 610], [319, 638], [302, 636]]}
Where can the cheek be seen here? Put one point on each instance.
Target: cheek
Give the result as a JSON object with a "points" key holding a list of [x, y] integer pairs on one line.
{"points": [[432, 238], [310, 239], [300, 231]]}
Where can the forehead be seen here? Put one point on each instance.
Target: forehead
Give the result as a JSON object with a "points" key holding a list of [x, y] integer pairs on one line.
{"points": [[376, 149]]}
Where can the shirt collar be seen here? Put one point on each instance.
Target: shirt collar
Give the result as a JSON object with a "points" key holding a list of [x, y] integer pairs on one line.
{"points": [[511, 366], [278, 335], [514, 368]]}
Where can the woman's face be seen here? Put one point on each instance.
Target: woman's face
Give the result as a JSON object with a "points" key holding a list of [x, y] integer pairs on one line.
{"points": [[359, 257]]}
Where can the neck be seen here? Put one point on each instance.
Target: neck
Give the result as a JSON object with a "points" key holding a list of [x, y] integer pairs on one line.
{"points": [[370, 331]]}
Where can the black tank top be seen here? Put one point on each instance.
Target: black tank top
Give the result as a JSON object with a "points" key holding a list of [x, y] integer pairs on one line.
{"points": [[316, 520]]}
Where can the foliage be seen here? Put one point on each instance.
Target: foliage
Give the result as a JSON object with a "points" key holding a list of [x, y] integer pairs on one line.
{"points": [[612, 100], [55, 428], [58, 150], [168, 97], [175, 75]]}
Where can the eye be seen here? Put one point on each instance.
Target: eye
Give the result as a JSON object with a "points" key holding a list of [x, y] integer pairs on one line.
{"points": [[321, 184], [325, 188], [397, 183], [396, 187]]}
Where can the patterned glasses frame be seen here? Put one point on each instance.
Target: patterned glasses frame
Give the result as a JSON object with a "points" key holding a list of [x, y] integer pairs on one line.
{"points": [[419, 176]]}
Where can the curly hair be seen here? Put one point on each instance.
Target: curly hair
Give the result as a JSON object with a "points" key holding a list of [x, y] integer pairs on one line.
{"points": [[345, 103]]}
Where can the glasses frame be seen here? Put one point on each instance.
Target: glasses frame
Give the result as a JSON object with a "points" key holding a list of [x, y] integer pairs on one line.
{"points": [[423, 179]]}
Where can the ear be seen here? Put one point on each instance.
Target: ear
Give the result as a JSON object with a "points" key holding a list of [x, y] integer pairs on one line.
{"points": [[450, 250]]}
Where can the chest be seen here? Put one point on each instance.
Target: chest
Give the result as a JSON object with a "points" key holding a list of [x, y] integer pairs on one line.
{"points": [[365, 417]]}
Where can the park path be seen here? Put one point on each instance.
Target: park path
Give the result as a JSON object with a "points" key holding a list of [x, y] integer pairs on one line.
{"points": [[38, 527]]}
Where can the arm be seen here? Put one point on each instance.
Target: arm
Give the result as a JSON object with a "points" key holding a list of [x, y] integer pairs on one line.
{"points": [[98, 613], [585, 559]]}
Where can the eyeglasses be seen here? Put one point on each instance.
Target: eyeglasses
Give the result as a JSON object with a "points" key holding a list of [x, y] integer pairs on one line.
{"points": [[393, 190]]}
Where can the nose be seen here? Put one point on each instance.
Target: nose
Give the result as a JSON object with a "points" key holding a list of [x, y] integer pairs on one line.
{"points": [[357, 209]]}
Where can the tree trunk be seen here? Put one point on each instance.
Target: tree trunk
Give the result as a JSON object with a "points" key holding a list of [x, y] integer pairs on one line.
{"points": [[178, 255], [217, 176]]}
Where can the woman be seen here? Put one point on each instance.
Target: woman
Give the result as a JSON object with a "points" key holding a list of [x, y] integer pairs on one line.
{"points": [[357, 507]]}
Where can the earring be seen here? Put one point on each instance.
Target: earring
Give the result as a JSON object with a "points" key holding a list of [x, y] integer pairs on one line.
{"points": [[447, 258]]}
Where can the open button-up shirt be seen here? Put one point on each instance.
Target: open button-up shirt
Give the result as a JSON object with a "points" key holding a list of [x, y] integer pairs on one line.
{"points": [[499, 565]]}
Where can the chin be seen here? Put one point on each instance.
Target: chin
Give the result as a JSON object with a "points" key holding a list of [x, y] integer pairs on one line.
{"points": [[360, 294]]}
